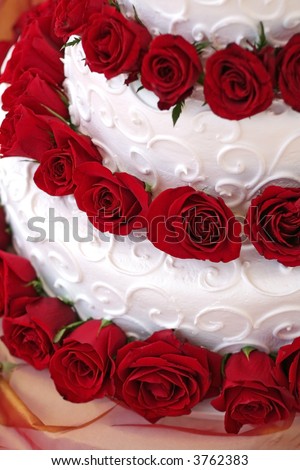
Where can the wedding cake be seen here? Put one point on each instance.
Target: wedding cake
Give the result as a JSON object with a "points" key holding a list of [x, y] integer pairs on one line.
{"points": [[150, 176]]}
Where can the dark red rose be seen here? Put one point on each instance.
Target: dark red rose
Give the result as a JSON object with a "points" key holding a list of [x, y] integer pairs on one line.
{"points": [[288, 359], [289, 72], [16, 133], [272, 224], [237, 84], [36, 94], [72, 16], [254, 392], [114, 202], [5, 235], [268, 56], [187, 223], [16, 276], [30, 52], [163, 376], [30, 329], [55, 173], [170, 69], [114, 44], [83, 368]]}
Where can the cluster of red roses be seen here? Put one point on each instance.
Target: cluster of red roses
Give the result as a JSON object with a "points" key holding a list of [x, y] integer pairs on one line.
{"points": [[182, 222], [157, 377], [237, 82]]}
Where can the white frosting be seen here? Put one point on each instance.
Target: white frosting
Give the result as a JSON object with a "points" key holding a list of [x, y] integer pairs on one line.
{"points": [[233, 159], [223, 306], [220, 21]]}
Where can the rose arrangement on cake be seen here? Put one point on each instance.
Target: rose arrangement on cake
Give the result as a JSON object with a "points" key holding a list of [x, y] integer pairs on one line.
{"points": [[163, 373]]}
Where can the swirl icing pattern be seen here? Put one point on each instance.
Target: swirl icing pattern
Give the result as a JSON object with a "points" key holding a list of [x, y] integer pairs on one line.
{"points": [[221, 21], [222, 306]]}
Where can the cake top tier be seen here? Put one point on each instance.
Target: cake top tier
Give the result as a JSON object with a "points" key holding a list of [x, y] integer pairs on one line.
{"points": [[220, 21]]}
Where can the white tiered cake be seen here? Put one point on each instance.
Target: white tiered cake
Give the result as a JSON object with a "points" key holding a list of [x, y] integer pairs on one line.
{"points": [[248, 301]]}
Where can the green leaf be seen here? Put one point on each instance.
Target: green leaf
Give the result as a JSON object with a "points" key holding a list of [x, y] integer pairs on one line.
{"points": [[66, 301], [200, 46], [247, 350], [56, 114], [262, 39], [67, 329], [148, 188], [71, 43], [114, 3], [273, 355], [177, 110], [38, 286], [136, 16], [223, 364]]}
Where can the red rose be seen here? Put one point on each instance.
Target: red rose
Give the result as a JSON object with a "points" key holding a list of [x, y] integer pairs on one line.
{"points": [[237, 84], [288, 359], [5, 235], [16, 133], [289, 72], [272, 224], [114, 44], [254, 392], [163, 376], [115, 203], [71, 16], [55, 173], [187, 223], [170, 69], [16, 276], [30, 52], [36, 94], [268, 56], [30, 330], [83, 368]]}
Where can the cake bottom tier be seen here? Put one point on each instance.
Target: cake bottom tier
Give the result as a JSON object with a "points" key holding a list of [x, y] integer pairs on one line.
{"points": [[115, 428]]}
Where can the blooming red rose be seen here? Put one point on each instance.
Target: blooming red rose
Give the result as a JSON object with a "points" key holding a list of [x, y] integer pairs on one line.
{"points": [[113, 44], [5, 235], [71, 16], [272, 224], [187, 223], [30, 52], [16, 276], [55, 173], [163, 376], [170, 69], [83, 368], [36, 94], [288, 359], [114, 202], [30, 329], [237, 84], [289, 72], [16, 133], [254, 392]]}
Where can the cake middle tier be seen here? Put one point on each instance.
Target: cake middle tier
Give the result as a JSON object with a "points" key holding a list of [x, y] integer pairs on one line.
{"points": [[249, 301], [231, 159]]}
